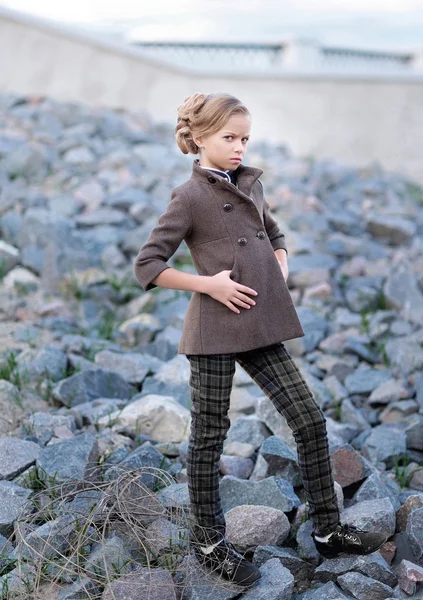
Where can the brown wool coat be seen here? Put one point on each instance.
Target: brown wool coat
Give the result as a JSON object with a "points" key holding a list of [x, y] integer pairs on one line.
{"points": [[224, 227]]}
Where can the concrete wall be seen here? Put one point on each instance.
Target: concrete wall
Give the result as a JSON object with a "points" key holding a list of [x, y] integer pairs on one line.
{"points": [[352, 118]]}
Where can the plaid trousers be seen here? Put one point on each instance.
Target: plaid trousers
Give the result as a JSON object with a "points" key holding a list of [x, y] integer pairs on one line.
{"points": [[275, 372]]}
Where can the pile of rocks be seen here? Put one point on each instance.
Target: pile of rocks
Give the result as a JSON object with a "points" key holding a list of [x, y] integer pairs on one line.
{"points": [[95, 400]]}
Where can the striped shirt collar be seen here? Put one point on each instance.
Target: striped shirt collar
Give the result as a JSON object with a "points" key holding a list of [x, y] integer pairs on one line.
{"points": [[228, 174]]}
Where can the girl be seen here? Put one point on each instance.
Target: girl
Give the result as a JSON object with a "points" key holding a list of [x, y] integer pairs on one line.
{"points": [[241, 310]]}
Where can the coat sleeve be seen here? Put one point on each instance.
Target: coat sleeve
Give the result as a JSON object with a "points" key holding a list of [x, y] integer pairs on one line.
{"points": [[276, 237], [164, 239]]}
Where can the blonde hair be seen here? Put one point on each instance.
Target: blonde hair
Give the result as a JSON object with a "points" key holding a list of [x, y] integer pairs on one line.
{"points": [[204, 114]]}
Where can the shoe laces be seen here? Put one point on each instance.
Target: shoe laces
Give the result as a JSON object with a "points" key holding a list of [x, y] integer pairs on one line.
{"points": [[350, 531]]}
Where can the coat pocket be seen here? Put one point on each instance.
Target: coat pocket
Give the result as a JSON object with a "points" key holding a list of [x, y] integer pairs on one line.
{"points": [[215, 256]]}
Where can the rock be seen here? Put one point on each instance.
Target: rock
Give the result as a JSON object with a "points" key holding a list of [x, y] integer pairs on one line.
{"points": [[131, 366], [387, 392], [410, 575], [364, 588], [372, 565], [414, 530], [69, 462], [288, 557], [275, 583], [378, 485], [14, 504], [248, 428], [142, 582], [328, 591], [280, 460], [108, 559], [267, 413], [146, 459], [412, 503], [89, 385], [43, 425], [385, 443], [378, 515], [16, 456], [348, 465], [158, 416], [306, 548], [236, 466], [250, 525], [365, 380], [272, 491]]}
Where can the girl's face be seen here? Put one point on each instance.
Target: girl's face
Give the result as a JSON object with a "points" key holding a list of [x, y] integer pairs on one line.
{"points": [[224, 145]]}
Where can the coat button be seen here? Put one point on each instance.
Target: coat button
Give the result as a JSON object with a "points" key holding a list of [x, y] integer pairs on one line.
{"points": [[228, 207], [242, 241], [261, 235], [211, 179]]}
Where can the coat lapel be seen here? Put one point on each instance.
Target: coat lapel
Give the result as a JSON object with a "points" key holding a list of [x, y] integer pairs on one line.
{"points": [[246, 177]]}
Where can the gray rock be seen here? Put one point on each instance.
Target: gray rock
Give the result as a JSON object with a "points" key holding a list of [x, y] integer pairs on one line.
{"points": [[378, 485], [175, 495], [43, 425], [415, 532], [378, 515], [90, 413], [236, 466], [352, 415], [108, 559], [6, 549], [47, 542], [328, 591], [246, 429], [82, 587], [132, 366], [363, 293], [306, 548], [402, 292], [145, 459], [364, 588], [281, 460], [272, 491], [14, 504], [143, 582], [386, 443], [89, 385], [267, 413], [288, 557], [372, 565], [365, 379], [275, 583], [397, 230], [48, 362], [404, 355], [16, 455], [19, 581], [250, 525], [69, 462]]}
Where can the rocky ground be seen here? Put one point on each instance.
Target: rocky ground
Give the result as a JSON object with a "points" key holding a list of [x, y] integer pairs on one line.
{"points": [[94, 399]]}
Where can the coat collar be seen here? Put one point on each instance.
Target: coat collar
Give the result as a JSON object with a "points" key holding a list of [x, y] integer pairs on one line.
{"points": [[246, 177]]}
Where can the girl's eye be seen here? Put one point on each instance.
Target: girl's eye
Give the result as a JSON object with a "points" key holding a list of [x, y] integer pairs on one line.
{"points": [[229, 136]]}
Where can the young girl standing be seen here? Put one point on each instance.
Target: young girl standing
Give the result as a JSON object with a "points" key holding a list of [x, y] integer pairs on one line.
{"points": [[240, 311]]}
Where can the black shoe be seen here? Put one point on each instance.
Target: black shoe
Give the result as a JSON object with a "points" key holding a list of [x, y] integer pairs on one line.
{"points": [[349, 539], [225, 560]]}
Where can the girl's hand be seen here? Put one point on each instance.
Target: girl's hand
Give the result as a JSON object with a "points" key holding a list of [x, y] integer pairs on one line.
{"points": [[227, 291], [284, 269]]}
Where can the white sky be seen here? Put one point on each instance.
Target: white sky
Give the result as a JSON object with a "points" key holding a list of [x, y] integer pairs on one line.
{"points": [[364, 23]]}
